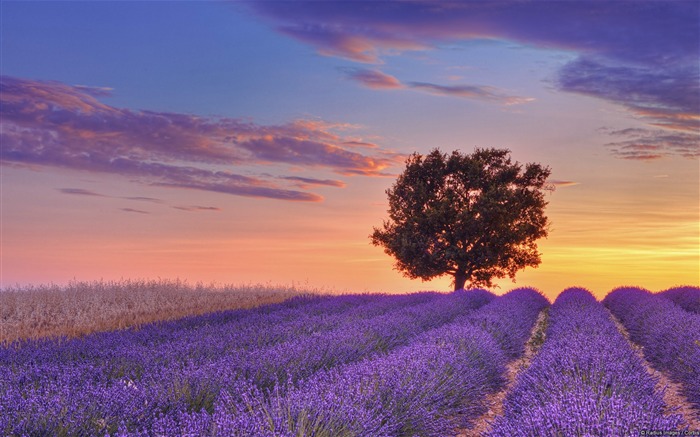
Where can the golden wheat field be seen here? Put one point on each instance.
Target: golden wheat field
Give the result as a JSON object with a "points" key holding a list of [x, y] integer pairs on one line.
{"points": [[79, 308]]}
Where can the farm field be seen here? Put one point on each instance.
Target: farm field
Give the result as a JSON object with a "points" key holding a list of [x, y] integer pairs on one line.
{"points": [[79, 308], [423, 364]]}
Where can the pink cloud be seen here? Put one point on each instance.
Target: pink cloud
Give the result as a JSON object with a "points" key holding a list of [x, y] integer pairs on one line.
{"points": [[653, 32], [641, 55], [196, 208], [377, 80], [651, 144], [54, 124], [560, 183], [303, 182], [374, 79], [475, 92], [80, 192]]}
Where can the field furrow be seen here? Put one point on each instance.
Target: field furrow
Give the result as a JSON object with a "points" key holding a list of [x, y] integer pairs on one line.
{"points": [[586, 380], [426, 388], [427, 364], [676, 402], [668, 335], [494, 401], [133, 380]]}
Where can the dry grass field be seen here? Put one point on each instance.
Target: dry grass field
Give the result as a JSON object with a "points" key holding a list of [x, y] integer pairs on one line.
{"points": [[80, 308]]}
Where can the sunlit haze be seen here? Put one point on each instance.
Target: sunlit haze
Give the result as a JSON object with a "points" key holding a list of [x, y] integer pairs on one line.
{"points": [[239, 142]]}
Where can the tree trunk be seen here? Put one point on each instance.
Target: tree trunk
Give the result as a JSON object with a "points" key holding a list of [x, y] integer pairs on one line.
{"points": [[460, 279]]}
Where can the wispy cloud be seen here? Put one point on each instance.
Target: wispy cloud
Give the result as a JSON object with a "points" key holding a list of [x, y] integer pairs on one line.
{"points": [[666, 97], [54, 124], [376, 79], [143, 199], [641, 55], [196, 208], [560, 183], [84, 192], [80, 192], [303, 182], [649, 32], [651, 144], [476, 92]]}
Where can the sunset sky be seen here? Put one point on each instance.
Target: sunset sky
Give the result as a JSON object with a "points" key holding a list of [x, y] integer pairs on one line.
{"points": [[244, 142]]}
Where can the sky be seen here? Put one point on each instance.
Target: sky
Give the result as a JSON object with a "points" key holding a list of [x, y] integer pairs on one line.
{"points": [[252, 142]]}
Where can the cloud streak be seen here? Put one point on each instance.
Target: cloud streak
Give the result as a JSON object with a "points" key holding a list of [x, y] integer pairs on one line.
{"points": [[651, 144], [54, 124], [476, 92], [376, 79], [640, 55], [664, 97], [303, 182], [84, 192], [649, 33], [80, 192], [196, 208], [560, 183], [143, 199]]}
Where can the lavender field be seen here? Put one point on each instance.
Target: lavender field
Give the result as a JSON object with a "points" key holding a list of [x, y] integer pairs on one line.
{"points": [[422, 364]]}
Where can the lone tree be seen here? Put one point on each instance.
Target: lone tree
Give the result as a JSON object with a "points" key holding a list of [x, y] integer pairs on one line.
{"points": [[475, 217]]}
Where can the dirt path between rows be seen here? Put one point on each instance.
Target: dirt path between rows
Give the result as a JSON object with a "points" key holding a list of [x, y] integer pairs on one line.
{"points": [[676, 403], [494, 401]]}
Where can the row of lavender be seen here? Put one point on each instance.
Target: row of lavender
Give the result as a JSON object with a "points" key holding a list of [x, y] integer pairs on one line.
{"points": [[668, 334], [427, 388], [686, 297], [357, 365], [586, 379], [159, 376]]}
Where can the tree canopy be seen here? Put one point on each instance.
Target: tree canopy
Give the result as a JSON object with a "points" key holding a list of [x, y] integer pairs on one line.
{"points": [[476, 217]]}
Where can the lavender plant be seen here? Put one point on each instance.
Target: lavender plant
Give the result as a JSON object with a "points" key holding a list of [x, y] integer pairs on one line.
{"points": [[171, 376], [669, 335], [687, 298], [426, 388], [586, 380]]}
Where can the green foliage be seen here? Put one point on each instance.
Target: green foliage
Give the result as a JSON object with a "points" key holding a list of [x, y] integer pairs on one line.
{"points": [[475, 217]]}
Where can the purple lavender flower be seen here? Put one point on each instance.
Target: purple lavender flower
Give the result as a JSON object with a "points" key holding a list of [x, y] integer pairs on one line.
{"points": [[669, 335], [586, 380]]}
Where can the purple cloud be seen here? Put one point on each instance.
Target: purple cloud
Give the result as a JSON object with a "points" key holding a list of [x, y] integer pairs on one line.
{"points": [[560, 183], [376, 79], [641, 55], [95, 91], [80, 192], [138, 211], [53, 124], [476, 92], [665, 97], [196, 208], [651, 144], [651, 32], [144, 199], [302, 182], [83, 192]]}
